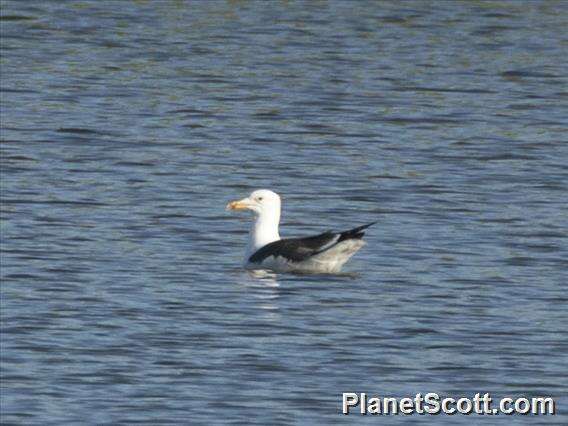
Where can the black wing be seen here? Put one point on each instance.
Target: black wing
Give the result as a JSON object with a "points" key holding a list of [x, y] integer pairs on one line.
{"points": [[299, 249]]}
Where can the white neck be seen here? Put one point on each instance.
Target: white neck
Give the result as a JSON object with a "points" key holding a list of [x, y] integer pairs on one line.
{"points": [[264, 230]]}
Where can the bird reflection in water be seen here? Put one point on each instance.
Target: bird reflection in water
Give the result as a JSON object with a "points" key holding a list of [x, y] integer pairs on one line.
{"points": [[264, 286], [264, 276]]}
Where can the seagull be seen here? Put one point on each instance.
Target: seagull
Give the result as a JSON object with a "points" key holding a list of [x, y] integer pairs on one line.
{"points": [[323, 253]]}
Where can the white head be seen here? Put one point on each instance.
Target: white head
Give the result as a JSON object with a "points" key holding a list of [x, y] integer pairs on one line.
{"points": [[261, 202], [265, 206]]}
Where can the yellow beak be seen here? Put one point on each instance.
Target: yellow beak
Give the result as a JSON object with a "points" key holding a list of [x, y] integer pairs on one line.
{"points": [[238, 205]]}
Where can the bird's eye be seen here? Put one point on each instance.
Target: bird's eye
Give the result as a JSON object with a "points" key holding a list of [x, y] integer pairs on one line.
{"points": [[259, 198]]}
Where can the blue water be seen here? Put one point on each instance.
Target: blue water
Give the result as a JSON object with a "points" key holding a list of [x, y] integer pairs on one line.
{"points": [[127, 126]]}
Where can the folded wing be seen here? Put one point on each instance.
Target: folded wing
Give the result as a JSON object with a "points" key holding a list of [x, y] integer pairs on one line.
{"points": [[301, 249]]}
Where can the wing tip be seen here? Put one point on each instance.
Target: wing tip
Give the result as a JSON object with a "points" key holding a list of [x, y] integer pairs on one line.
{"points": [[355, 233]]}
